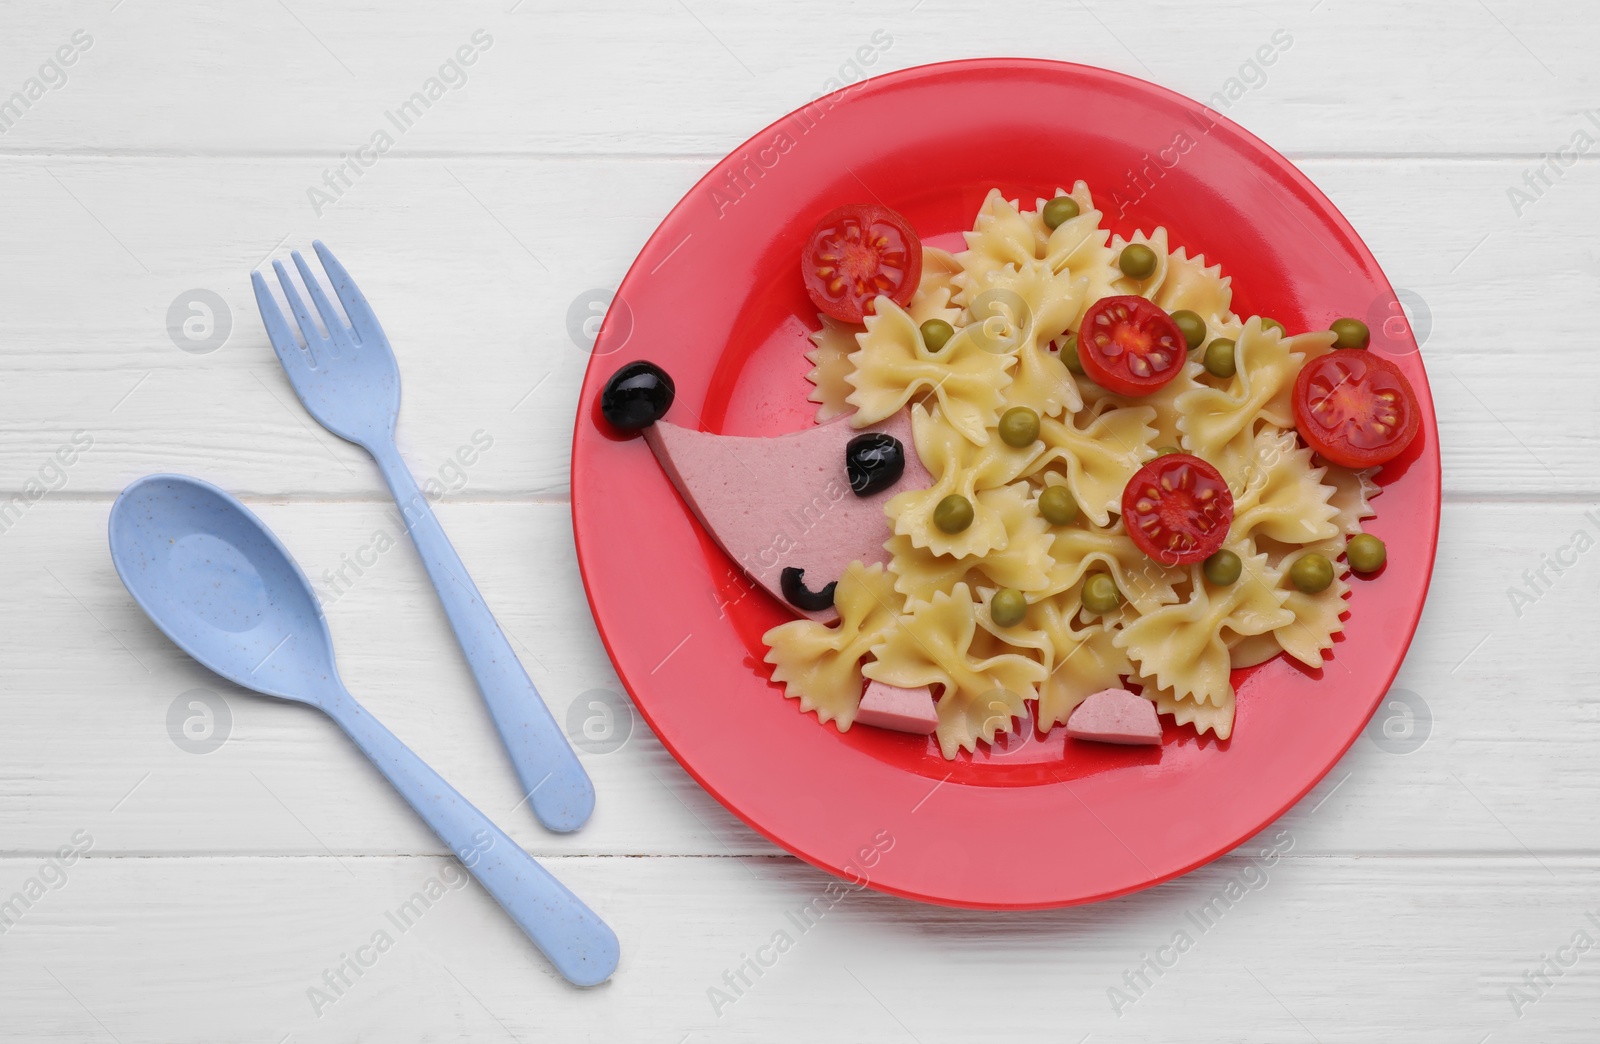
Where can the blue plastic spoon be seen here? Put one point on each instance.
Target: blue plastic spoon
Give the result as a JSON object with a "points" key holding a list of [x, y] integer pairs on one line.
{"points": [[217, 581]]}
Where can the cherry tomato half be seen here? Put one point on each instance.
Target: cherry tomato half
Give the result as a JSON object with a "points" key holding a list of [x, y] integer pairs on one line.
{"points": [[1355, 408], [1129, 346], [856, 253], [1177, 509]]}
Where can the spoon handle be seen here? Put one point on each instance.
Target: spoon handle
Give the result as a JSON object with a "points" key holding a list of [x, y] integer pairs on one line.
{"points": [[583, 948], [560, 792]]}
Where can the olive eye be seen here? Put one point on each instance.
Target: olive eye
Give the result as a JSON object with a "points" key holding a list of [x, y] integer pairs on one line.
{"points": [[874, 461]]}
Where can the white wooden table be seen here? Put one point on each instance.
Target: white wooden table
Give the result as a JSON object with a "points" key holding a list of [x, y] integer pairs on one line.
{"points": [[1423, 885]]}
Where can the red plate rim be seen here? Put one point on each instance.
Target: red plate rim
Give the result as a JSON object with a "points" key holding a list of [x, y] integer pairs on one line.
{"points": [[683, 630]]}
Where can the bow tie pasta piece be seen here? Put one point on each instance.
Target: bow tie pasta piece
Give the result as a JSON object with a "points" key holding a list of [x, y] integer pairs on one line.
{"points": [[1082, 661], [1099, 458], [935, 293], [1144, 582], [1146, 287], [1302, 348], [1316, 616], [962, 468], [1038, 300], [1039, 305], [1282, 496], [836, 340], [1217, 423], [831, 365], [1077, 248], [1352, 495], [892, 363], [1247, 650], [1000, 236], [1163, 400], [1179, 283], [1181, 646], [919, 574], [991, 639], [932, 645], [821, 665], [965, 718], [1215, 718], [1004, 236], [1189, 284], [1023, 563]]}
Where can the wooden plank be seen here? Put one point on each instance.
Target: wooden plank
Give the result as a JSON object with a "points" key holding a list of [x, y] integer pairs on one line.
{"points": [[1331, 949], [618, 77], [481, 287], [1502, 683]]}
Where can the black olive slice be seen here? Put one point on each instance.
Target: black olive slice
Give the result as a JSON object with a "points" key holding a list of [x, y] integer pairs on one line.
{"points": [[792, 581]]}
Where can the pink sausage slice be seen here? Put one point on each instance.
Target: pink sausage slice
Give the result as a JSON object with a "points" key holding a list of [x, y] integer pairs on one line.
{"points": [[903, 710], [785, 501], [1116, 716]]}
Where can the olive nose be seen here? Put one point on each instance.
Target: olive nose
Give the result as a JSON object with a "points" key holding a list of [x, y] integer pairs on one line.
{"points": [[874, 461], [637, 395]]}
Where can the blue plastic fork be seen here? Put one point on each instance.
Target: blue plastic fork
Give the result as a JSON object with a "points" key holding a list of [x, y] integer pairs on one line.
{"points": [[347, 378]]}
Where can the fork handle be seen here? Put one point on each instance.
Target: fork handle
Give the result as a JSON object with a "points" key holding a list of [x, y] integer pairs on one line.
{"points": [[582, 947], [557, 787]]}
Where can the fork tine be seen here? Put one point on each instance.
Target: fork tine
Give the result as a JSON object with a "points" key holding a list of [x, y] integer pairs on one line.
{"points": [[363, 321], [293, 359], [308, 325], [332, 319]]}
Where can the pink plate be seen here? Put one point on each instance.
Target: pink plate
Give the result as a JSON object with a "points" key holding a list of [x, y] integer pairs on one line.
{"points": [[716, 299]]}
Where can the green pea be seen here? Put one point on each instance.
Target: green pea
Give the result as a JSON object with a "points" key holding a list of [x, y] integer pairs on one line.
{"points": [[1137, 261], [1059, 211], [1007, 607], [1311, 573], [936, 333], [953, 513], [1366, 553], [1069, 356], [1193, 327], [1167, 451], [1100, 594], [1019, 426], [1223, 568], [1268, 323], [1057, 506], [1350, 333], [1219, 358]]}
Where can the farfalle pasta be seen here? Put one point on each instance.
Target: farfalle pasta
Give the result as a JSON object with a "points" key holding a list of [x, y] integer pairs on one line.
{"points": [[821, 665], [835, 340], [1181, 646], [1096, 453], [892, 363], [1065, 387], [932, 645], [1083, 659], [959, 468], [1218, 423], [1075, 550]]}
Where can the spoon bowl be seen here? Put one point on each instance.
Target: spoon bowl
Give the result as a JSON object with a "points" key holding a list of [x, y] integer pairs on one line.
{"points": [[222, 587], [216, 580]]}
